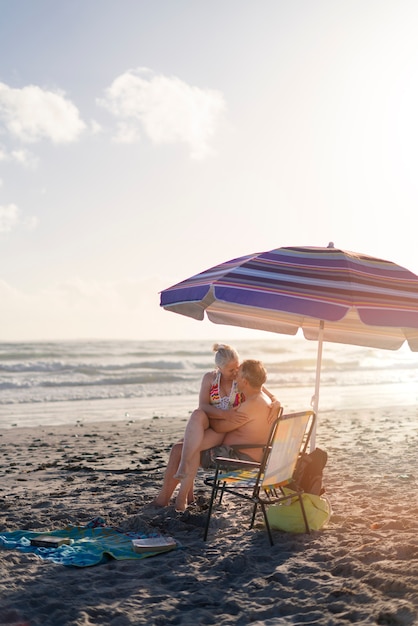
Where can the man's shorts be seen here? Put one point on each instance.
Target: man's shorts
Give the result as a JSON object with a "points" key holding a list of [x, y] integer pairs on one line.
{"points": [[207, 457]]}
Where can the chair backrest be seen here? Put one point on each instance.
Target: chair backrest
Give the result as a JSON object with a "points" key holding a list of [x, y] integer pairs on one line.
{"points": [[289, 437]]}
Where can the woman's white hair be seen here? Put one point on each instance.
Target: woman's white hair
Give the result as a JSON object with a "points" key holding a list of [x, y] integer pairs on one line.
{"points": [[224, 354]]}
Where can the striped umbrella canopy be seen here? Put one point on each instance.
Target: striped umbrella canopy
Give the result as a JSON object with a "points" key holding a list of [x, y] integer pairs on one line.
{"points": [[331, 294]]}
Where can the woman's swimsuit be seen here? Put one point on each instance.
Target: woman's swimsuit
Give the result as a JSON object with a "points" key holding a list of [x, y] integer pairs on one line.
{"points": [[234, 399]]}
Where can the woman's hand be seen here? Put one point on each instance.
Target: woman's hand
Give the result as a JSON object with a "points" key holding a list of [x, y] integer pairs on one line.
{"points": [[236, 416], [232, 420], [274, 410]]}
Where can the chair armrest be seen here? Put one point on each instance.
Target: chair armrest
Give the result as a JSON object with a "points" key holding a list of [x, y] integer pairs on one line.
{"points": [[220, 460], [239, 446]]}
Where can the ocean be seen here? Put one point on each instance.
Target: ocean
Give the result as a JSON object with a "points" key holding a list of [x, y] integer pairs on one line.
{"points": [[60, 382]]}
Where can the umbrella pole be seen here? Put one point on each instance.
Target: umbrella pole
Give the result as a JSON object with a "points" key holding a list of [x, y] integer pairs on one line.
{"points": [[315, 399]]}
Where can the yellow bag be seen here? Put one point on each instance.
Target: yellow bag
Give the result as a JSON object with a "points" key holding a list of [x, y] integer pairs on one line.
{"points": [[288, 516]]}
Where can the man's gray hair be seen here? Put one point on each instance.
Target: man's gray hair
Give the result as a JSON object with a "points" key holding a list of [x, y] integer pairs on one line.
{"points": [[254, 372]]}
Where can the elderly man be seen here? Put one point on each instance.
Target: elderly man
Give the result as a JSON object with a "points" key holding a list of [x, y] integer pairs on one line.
{"points": [[254, 429]]}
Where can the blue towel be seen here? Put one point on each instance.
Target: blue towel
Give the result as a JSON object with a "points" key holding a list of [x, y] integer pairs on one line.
{"points": [[90, 545]]}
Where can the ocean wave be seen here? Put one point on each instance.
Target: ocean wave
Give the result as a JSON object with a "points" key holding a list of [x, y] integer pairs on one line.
{"points": [[88, 368], [52, 372]]}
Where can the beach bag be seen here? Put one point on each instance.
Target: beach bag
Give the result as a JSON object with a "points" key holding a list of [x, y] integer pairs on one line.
{"points": [[309, 471], [288, 516]]}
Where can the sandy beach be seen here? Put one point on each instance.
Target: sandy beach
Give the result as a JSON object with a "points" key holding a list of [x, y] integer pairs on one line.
{"points": [[361, 569]]}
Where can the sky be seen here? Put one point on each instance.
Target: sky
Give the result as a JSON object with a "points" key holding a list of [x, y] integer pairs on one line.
{"points": [[143, 142]]}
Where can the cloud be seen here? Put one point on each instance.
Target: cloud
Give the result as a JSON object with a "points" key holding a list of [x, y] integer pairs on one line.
{"points": [[95, 127], [25, 158], [10, 218], [166, 109], [30, 222], [22, 156], [32, 114]]}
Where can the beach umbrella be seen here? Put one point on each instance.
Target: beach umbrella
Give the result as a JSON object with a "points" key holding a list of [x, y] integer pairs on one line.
{"points": [[330, 294]]}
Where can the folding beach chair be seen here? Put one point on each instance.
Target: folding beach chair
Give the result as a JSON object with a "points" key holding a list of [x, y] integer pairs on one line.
{"points": [[263, 483]]}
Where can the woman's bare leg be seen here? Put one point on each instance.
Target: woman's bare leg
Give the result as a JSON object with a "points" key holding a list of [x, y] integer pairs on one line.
{"points": [[193, 436], [169, 482], [210, 440], [187, 482]]}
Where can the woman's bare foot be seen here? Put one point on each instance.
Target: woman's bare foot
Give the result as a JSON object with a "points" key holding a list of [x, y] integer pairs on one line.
{"points": [[158, 503], [181, 504]]}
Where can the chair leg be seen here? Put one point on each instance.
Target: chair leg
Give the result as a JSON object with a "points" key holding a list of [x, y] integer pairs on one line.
{"points": [[263, 508], [254, 514], [212, 498], [222, 491], [209, 513]]}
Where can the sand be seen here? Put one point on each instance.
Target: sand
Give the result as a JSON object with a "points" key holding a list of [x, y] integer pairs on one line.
{"points": [[361, 569]]}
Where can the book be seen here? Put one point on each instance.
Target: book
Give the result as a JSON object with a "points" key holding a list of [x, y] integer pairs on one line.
{"points": [[154, 544], [49, 541]]}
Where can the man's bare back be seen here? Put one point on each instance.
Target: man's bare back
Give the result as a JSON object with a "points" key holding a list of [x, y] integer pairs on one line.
{"points": [[257, 427]]}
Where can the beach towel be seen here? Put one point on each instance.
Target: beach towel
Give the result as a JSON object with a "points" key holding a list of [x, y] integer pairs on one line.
{"points": [[92, 544]]}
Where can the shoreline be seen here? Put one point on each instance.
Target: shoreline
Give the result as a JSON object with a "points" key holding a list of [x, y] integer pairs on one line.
{"points": [[361, 568], [74, 412]]}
